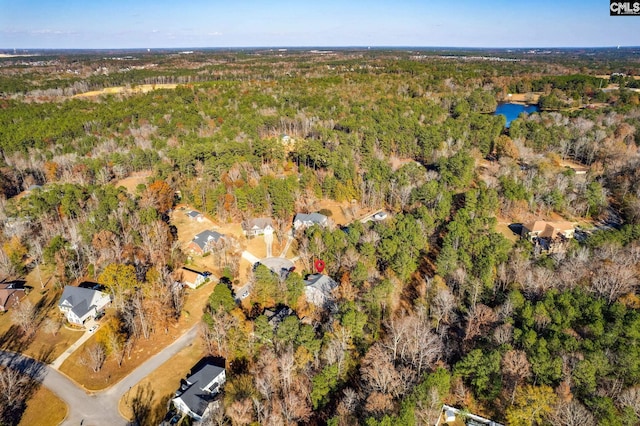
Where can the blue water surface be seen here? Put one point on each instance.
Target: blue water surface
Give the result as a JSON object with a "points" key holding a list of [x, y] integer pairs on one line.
{"points": [[512, 111]]}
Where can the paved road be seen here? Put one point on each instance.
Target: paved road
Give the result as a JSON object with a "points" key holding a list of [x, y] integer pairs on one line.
{"points": [[99, 408], [89, 409], [151, 364]]}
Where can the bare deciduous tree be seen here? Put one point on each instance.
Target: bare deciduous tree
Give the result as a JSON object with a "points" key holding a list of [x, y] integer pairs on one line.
{"points": [[571, 413], [378, 372], [515, 368], [24, 315], [631, 398], [379, 403], [12, 383], [94, 357], [51, 326], [241, 412], [613, 279], [215, 333], [478, 320], [442, 306]]}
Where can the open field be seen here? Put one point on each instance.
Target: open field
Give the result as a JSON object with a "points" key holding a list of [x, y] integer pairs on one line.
{"points": [[131, 182], [525, 98], [44, 408], [142, 88]]}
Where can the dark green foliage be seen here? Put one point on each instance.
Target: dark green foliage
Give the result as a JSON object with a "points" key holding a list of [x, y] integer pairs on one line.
{"points": [[323, 384], [221, 298], [482, 370]]}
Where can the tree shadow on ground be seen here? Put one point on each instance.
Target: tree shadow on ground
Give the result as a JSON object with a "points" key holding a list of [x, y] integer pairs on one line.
{"points": [[142, 406], [15, 340], [32, 374], [45, 354]]}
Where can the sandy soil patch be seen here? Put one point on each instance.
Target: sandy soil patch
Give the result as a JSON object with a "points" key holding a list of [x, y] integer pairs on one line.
{"points": [[142, 88], [131, 182], [577, 167], [396, 162], [342, 213], [526, 98]]}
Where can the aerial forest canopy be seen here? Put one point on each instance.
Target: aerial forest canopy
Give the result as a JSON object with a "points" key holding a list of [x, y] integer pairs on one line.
{"points": [[441, 302]]}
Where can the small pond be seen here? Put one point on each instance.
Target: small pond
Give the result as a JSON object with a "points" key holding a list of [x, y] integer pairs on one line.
{"points": [[512, 111]]}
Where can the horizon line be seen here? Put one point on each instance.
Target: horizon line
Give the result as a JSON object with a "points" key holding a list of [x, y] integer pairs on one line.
{"points": [[298, 47]]}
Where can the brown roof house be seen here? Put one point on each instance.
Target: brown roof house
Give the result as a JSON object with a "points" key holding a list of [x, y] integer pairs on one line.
{"points": [[549, 230], [552, 237], [190, 278], [10, 294]]}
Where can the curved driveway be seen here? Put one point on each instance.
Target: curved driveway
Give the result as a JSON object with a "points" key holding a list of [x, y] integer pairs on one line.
{"points": [[98, 408]]}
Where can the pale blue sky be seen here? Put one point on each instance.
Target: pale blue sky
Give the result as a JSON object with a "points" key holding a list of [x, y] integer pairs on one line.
{"points": [[239, 23]]}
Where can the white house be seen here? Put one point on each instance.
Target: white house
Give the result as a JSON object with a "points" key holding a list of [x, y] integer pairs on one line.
{"points": [[258, 226], [79, 304], [198, 390], [304, 220], [319, 288], [191, 278], [195, 215]]}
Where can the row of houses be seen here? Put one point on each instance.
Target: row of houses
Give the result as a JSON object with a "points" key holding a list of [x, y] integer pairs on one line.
{"points": [[205, 241]]}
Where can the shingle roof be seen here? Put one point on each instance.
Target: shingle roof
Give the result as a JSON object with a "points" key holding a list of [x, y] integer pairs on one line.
{"points": [[10, 293], [548, 229], [196, 396], [257, 223], [321, 282], [204, 237], [310, 217], [80, 300]]}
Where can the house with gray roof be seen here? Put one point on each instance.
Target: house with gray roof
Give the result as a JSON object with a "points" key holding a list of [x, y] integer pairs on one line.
{"points": [[195, 215], [276, 315], [304, 220], [79, 304], [257, 226], [205, 241], [319, 290], [198, 391]]}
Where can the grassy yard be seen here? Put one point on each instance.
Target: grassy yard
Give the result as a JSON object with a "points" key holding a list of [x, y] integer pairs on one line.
{"points": [[44, 408], [142, 349], [42, 345], [159, 387]]}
